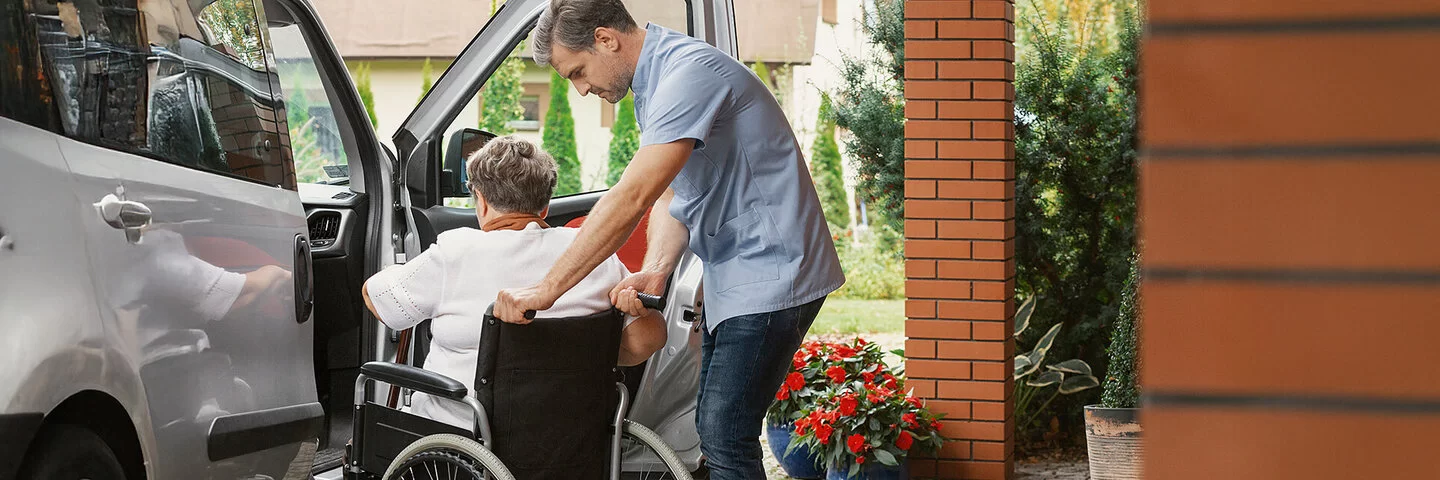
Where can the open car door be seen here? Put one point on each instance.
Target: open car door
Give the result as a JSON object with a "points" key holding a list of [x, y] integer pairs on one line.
{"points": [[431, 144]]}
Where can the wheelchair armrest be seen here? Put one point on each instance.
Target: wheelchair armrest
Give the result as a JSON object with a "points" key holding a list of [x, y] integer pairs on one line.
{"points": [[416, 379]]}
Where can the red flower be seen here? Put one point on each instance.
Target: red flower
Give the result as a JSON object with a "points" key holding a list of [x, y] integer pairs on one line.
{"points": [[909, 419], [798, 363], [783, 394], [935, 425], [868, 376], [795, 381], [847, 405], [860, 341], [822, 432], [856, 443], [836, 374], [914, 401], [874, 398], [904, 440], [860, 459], [890, 382], [844, 351]]}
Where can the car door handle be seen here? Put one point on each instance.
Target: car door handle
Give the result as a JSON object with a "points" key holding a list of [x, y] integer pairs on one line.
{"points": [[123, 214]]}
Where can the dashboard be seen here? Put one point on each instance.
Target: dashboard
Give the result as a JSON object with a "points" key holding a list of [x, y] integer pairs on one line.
{"points": [[330, 212]]}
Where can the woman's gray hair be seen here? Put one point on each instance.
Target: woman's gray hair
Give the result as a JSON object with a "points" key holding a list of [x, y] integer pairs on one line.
{"points": [[512, 175], [572, 23]]}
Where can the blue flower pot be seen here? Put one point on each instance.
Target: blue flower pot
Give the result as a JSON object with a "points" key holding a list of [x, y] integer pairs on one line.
{"points": [[802, 463], [871, 470]]}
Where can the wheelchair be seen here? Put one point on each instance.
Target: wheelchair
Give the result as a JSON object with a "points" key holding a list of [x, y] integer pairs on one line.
{"points": [[549, 403]]}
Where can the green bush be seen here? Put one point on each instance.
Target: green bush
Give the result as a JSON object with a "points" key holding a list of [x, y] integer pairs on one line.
{"points": [[624, 140], [1075, 165], [1122, 379], [872, 272], [367, 96], [558, 138], [500, 99], [826, 172], [870, 104], [427, 79]]}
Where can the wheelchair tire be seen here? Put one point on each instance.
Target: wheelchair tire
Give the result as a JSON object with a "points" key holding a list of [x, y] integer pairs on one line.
{"points": [[635, 435], [447, 457]]}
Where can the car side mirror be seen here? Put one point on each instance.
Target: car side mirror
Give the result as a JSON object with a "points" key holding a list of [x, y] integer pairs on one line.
{"points": [[462, 144]]}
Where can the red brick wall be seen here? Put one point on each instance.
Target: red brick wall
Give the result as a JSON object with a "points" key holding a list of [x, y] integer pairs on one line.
{"points": [[960, 228], [1290, 178]]}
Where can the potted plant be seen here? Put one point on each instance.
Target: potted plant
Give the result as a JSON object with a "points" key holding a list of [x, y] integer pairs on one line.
{"points": [[814, 369], [865, 425], [1112, 429]]}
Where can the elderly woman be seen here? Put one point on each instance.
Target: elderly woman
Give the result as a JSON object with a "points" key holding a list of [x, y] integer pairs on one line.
{"points": [[458, 277]]}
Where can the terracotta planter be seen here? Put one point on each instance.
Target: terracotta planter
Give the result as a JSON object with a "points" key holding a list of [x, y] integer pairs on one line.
{"points": [[1112, 437]]}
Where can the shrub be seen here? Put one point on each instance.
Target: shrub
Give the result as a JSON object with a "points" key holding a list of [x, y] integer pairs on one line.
{"points": [[871, 272], [624, 139], [870, 105], [826, 172], [1075, 190], [367, 96], [558, 138], [500, 99], [427, 79], [1122, 378]]}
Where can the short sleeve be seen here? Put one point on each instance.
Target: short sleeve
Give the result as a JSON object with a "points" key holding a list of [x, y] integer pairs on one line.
{"points": [[406, 294], [685, 105]]}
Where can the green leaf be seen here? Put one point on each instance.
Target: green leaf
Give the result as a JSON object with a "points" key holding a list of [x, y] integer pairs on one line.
{"points": [[885, 457], [1022, 315], [854, 470], [1023, 366], [1073, 365], [899, 352], [1046, 341], [874, 423], [1046, 379], [1078, 383]]}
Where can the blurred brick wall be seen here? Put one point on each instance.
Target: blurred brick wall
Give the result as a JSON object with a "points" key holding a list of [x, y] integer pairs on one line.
{"points": [[255, 144], [960, 228], [1290, 183]]}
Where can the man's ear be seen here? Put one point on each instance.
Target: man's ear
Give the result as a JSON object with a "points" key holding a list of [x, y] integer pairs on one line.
{"points": [[546, 212], [606, 39]]}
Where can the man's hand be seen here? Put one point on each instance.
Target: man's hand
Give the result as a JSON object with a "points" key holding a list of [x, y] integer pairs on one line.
{"points": [[511, 304], [623, 295]]}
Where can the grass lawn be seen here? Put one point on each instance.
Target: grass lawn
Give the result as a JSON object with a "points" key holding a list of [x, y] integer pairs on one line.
{"points": [[846, 316]]}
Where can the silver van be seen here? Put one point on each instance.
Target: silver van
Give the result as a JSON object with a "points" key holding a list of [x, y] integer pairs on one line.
{"points": [[191, 195]]}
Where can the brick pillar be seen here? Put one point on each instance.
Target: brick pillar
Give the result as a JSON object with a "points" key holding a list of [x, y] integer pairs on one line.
{"points": [[1289, 180], [960, 228]]}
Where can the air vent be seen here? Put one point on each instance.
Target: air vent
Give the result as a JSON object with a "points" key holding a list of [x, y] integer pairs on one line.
{"points": [[342, 196], [324, 229]]}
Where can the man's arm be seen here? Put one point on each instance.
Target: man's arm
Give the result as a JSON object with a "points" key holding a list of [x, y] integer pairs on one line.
{"points": [[609, 223], [666, 239]]}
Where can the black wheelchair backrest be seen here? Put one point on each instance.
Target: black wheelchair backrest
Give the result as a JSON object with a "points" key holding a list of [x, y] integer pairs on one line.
{"points": [[549, 389]]}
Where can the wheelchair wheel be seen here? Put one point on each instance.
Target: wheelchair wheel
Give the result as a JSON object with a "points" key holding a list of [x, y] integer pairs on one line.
{"points": [[659, 461], [447, 457]]}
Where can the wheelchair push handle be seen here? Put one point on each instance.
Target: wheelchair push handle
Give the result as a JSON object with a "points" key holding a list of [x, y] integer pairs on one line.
{"points": [[653, 302]]}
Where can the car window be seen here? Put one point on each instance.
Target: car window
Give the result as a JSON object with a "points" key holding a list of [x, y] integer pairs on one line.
{"points": [[161, 79], [24, 92], [591, 139], [316, 140]]}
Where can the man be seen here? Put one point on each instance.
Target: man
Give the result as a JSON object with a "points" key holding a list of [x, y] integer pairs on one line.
{"points": [[718, 155]]}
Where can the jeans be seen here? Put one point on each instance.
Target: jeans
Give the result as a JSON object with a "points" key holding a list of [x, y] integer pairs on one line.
{"points": [[742, 365]]}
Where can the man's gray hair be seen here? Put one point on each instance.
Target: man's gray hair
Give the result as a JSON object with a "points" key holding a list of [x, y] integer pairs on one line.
{"points": [[572, 24], [512, 175]]}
